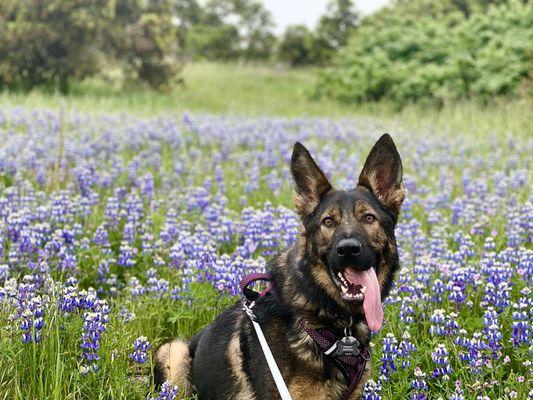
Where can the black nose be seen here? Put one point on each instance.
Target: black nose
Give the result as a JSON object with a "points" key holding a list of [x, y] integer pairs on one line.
{"points": [[347, 248]]}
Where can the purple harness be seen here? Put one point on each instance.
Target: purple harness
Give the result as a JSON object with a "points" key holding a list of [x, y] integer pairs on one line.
{"points": [[345, 353]]}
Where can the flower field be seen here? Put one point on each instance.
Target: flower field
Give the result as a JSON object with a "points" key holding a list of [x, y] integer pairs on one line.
{"points": [[118, 233]]}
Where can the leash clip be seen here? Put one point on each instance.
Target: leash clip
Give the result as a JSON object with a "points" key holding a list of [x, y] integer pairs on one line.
{"points": [[247, 308]]}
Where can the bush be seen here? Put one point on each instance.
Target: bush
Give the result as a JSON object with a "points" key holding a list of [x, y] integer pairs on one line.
{"points": [[407, 58]]}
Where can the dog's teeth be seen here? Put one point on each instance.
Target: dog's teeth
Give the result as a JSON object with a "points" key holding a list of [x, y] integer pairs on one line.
{"points": [[363, 289], [339, 275], [344, 289]]}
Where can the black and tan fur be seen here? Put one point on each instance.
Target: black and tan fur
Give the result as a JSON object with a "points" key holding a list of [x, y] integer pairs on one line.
{"points": [[225, 360]]}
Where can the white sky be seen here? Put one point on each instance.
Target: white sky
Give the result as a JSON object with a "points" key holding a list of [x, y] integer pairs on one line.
{"points": [[289, 12]]}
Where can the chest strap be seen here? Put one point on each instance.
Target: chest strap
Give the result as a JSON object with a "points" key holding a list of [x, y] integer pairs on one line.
{"points": [[352, 366]]}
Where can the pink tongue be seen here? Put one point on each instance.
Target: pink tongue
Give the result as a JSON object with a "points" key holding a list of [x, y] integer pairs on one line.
{"points": [[372, 302]]}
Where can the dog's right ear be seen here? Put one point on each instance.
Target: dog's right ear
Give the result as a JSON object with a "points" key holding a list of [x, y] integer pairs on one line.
{"points": [[310, 182]]}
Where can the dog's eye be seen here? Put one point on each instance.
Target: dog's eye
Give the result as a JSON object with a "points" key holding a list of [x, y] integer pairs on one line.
{"points": [[369, 218], [328, 222]]}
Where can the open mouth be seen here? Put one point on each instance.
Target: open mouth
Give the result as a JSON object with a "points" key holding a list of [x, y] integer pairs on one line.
{"points": [[350, 291], [361, 287]]}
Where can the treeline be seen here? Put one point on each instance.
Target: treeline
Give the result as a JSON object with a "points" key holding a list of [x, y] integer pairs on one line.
{"points": [[436, 51], [54, 42]]}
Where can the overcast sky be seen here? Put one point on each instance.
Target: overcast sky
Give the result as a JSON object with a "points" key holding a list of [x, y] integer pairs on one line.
{"points": [[289, 12]]}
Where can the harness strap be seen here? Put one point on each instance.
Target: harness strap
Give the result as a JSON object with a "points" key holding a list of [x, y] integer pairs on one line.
{"points": [[351, 366], [252, 295]]}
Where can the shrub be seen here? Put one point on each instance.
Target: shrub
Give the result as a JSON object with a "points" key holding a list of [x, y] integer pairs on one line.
{"points": [[407, 58]]}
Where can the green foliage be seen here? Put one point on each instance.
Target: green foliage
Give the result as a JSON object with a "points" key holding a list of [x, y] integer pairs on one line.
{"points": [[50, 42], [334, 29], [408, 57], [229, 29], [300, 46], [144, 41], [219, 42], [296, 47]]}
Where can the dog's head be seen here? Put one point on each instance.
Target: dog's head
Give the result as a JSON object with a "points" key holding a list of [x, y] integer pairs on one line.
{"points": [[349, 234]]}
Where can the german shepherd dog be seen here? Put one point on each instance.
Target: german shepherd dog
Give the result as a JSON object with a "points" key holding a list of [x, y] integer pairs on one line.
{"points": [[340, 269]]}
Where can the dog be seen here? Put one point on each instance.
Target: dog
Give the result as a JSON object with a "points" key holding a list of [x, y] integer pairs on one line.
{"points": [[333, 278]]}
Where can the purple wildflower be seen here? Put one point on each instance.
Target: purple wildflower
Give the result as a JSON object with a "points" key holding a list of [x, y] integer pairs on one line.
{"points": [[140, 348]]}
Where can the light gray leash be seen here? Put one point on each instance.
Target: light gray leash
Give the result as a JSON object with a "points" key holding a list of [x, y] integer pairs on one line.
{"points": [[274, 370]]}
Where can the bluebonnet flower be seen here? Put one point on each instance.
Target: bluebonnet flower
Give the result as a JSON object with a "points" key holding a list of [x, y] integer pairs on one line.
{"points": [[140, 348], [443, 324], [406, 347], [126, 315], [418, 385], [168, 392], [371, 390], [475, 348], [112, 210], [94, 324], [127, 255], [458, 394], [154, 285], [389, 353], [135, 287], [31, 320], [441, 359], [521, 329], [406, 311], [492, 330], [4, 272], [95, 320]]}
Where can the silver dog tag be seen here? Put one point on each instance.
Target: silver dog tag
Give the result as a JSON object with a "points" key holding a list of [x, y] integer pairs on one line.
{"points": [[347, 346]]}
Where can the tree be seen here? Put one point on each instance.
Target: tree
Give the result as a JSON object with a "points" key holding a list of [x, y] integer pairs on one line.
{"points": [[187, 13], [232, 29], [50, 42], [213, 42], [296, 46], [257, 37], [334, 28], [142, 38]]}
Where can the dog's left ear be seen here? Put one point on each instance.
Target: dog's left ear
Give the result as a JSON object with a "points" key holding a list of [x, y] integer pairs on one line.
{"points": [[310, 182], [382, 174]]}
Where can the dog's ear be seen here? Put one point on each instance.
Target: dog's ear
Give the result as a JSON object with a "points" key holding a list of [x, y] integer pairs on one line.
{"points": [[310, 182], [382, 174]]}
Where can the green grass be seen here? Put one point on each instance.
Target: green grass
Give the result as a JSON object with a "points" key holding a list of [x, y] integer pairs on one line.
{"points": [[207, 87], [254, 90]]}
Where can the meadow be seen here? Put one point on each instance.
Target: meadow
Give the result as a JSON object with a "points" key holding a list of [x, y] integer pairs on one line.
{"points": [[128, 218]]}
